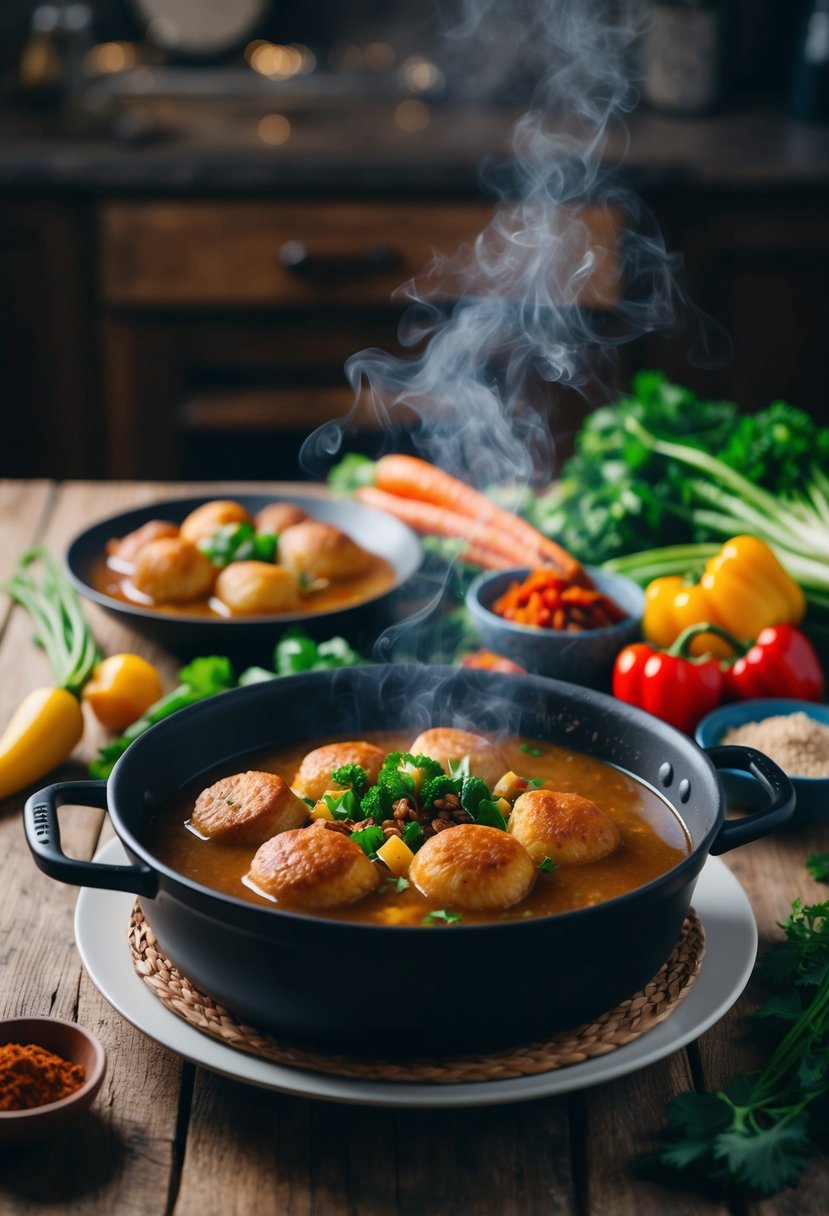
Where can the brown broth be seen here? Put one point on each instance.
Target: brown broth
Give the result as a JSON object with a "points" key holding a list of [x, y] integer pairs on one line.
{"points": [[653, 839], [379, 577]]}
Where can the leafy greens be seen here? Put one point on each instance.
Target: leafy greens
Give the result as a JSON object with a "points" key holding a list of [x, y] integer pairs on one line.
{"points": [[760, 1131]]}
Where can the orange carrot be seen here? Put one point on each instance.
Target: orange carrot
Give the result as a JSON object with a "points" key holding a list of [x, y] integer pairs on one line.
{"points": [[426, 517], [488, 559], [410, 477]]}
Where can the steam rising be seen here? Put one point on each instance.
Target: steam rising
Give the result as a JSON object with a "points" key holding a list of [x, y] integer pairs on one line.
{"points": [[570, 266]]}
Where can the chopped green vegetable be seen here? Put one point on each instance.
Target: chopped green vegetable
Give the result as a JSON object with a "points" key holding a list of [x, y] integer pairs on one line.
{"points": [[412, 835], [352, 775], [206, 675], [60, 626], [489, 815], [441, 917], [200, 678], [758, 1131], [343, 806], [474, 792], [238, 542], [818, 866], [439, 787], [369, 839], [398, 885], [350, 473], [529, 750], [375, 804], [547, 865]]}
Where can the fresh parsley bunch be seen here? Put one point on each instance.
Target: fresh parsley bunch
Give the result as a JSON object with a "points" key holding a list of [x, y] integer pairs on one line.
{"points": [[762, 1129]]}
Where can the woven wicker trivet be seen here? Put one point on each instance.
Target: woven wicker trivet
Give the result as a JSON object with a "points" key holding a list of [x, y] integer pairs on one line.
{"points": [[621, 1025]]}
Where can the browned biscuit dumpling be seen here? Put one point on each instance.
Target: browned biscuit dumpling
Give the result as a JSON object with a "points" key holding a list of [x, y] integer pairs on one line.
{"points": [[276, 517], [313, 868], [313, 777], [126, 549], [173, 570], [249, 588], [247, 808], [565, 827], [445, 744], [211, 516], [473, 867], [314, 549]]}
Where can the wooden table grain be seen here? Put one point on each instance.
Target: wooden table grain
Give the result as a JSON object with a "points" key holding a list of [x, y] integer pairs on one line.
{"points": [[166, 1136]]}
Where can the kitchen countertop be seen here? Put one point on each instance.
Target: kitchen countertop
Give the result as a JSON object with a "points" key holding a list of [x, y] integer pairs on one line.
{"points": [[169, 1136], [186, 146]]}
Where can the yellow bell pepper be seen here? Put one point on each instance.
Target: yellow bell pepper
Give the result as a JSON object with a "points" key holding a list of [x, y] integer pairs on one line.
{"points": [[743, 589], [121, 689], [41, 733]]}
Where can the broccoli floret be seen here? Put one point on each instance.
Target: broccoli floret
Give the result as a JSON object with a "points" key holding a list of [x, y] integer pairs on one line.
{"points": [[473, 791], [376, 803], [395, 783], [352, 775], [439, 787], [428, 766]]}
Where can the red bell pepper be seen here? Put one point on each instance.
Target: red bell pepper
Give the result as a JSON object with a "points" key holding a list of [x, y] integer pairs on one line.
{"points": [[668, 683], [781, 663]]}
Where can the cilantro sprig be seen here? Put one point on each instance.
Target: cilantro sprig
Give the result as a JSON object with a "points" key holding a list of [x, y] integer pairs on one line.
{"points": [[759, 1132]]}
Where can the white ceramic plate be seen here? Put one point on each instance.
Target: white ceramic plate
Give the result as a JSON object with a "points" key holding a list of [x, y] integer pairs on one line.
{"points": [[101, 921]]}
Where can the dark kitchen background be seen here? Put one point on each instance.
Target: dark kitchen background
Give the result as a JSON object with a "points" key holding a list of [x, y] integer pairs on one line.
{"points": [[206, 207]]}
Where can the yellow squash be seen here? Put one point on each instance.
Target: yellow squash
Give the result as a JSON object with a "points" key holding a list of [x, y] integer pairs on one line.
{"points": [[743, 589], [42, 732]]}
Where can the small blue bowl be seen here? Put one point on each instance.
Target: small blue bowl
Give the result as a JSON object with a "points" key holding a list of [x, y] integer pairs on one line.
{"points": [[581, 658], [740, 788]]}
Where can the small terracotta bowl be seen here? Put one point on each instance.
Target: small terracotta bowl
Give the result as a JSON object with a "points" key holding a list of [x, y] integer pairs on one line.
{"points": [[73, 1043]]}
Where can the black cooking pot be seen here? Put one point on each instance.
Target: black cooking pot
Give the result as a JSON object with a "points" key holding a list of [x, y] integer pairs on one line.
{"points": [[383, 988]]}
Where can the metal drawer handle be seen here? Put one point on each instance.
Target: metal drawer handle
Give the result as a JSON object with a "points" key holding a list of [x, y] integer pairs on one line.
{"points": [[305, 263]]}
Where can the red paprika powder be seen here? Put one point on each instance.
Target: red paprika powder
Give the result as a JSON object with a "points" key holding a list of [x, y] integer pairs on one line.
{"points": [[32, 1076]]}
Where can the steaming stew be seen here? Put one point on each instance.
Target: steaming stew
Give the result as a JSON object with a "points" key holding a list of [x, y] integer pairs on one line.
{"points": [[498, 875], [224, 562]]}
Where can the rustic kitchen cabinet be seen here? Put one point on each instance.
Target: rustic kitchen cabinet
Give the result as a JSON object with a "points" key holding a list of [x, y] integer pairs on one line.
{"points": [[185, 307], [226, 323]]}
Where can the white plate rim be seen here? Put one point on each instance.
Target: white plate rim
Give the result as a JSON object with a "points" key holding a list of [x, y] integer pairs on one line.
{"points": [[101, 917]]}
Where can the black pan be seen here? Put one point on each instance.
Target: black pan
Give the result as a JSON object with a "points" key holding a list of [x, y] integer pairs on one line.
{"points": [[381, 988]]}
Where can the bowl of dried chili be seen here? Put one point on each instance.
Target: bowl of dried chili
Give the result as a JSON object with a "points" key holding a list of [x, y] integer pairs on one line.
{"points": [[50, 1072], [554, 625]]}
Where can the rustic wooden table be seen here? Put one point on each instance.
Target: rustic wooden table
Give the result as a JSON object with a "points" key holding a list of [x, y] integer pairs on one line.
{"points": [[166, 1136]]}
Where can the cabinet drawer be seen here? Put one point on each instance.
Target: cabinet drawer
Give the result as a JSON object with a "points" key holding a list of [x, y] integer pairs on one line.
{"points": [[257, 254]]}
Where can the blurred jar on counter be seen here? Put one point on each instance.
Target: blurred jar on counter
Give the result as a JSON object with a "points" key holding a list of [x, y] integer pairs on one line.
{"points": [[810, 80], [682, 55]]}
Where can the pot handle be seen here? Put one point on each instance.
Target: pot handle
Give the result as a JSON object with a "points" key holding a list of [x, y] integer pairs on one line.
{"points": [[754, 824], [40, 822]]}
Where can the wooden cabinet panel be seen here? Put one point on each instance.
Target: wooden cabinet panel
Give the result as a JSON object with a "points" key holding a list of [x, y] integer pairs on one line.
{"points": [[170, 254]]}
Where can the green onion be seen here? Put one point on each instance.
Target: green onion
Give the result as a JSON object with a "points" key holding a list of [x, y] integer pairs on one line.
{"points": [[60, 626]]}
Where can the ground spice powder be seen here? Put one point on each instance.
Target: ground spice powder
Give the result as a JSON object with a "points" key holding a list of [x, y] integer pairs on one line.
{"points": [[796, 742], [32, 1076]]}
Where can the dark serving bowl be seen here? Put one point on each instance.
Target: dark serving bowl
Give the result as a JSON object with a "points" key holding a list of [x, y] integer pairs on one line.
{"points": [[252, 638], [334, 982], [584, 658]]}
